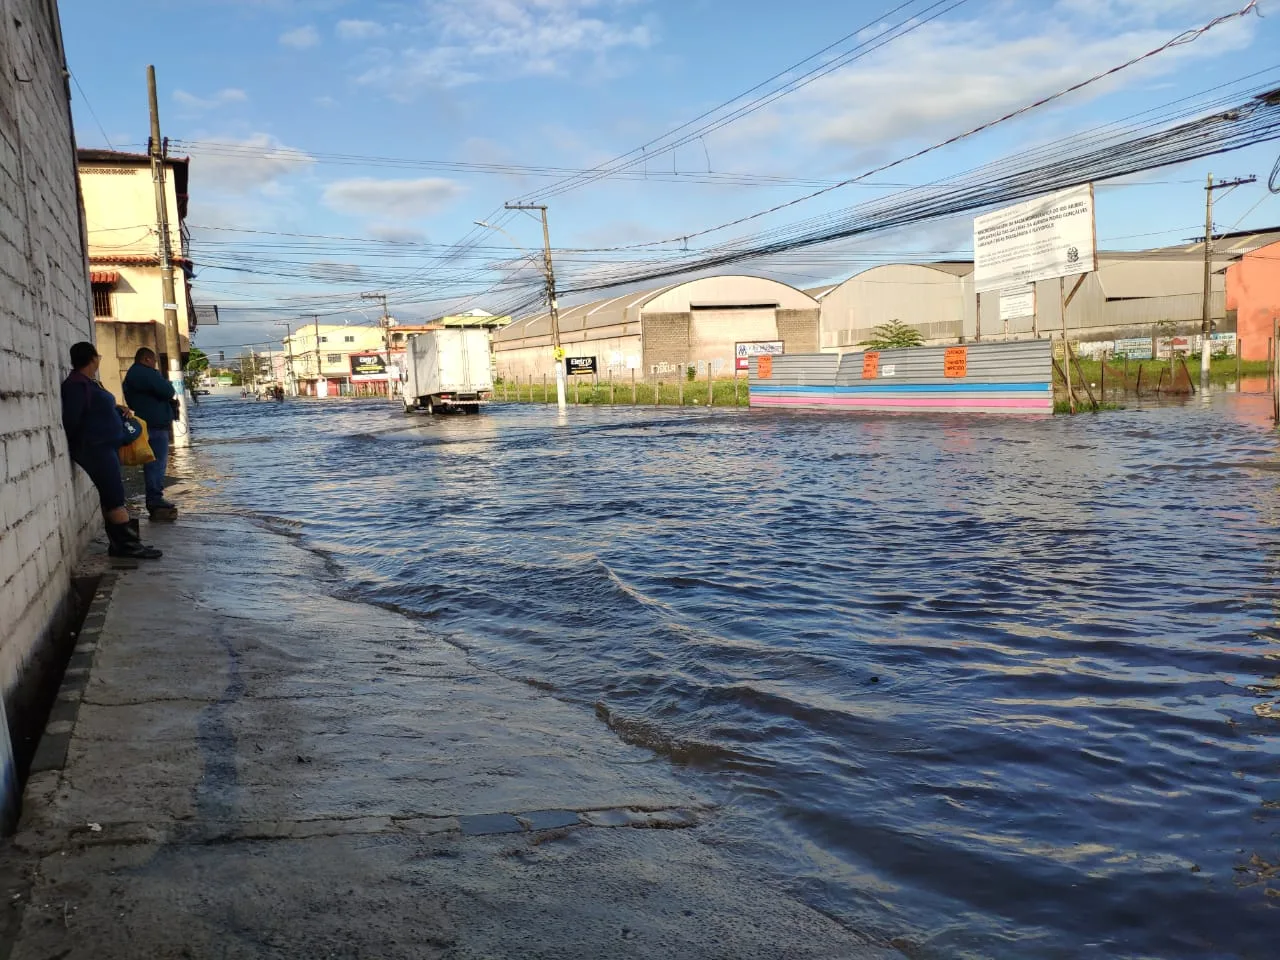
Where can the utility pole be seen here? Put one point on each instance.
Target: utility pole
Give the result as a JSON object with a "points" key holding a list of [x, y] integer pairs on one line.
{"points": [[1206, 323], [172, 342], [552, 306], [385, 323], [319, 369], [290, 377]]}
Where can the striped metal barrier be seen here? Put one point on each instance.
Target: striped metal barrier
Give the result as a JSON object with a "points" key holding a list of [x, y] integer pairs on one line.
{"points": [[1007, 378]]}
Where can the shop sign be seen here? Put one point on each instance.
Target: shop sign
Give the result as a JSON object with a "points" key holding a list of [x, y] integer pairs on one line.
{"points": [[367, 366]]}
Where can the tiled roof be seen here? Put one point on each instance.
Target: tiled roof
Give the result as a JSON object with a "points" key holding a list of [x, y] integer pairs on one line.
{"points": [[134, 260]]}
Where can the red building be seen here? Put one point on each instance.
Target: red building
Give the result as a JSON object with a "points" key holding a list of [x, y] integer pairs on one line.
{"points": [[1253, 292]]}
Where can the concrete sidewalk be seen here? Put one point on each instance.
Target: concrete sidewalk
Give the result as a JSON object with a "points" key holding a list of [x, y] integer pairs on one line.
{"points": [[260, 770]]}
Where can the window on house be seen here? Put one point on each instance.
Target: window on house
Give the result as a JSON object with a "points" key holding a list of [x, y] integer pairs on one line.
{"points": [[333, 358], [397, 338], [102, 300], [324, 339], [348, 339]]}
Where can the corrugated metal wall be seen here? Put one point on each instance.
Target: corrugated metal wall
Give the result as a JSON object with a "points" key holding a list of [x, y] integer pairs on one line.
{"points": [[1014, 377]]}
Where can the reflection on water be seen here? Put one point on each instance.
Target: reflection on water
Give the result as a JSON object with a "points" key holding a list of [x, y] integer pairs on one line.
{"points": [[989, 687]]}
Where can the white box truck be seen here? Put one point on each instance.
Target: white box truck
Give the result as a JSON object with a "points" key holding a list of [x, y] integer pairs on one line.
{"points": [[447, 370]]}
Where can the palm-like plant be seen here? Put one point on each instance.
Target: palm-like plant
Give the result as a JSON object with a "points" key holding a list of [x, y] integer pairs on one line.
{"points": [[887, 336]]}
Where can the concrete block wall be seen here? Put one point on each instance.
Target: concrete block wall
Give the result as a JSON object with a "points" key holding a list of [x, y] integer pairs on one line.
{"points": [[666, 339], [800, 330], [117, 342], [47, 509]]}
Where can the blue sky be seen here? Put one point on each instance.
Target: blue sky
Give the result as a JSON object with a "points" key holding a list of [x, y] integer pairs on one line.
{"points": [[572, 83]]}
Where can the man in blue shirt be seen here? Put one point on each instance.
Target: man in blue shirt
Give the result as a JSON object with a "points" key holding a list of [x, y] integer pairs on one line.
{"points": [[95, 432], [151, 397]]}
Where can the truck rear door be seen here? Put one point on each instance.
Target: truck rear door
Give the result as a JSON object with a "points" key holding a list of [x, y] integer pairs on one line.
{"points": [[479, 367]]}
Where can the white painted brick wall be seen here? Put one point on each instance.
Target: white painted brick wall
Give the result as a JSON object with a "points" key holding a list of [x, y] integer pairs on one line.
{"points": [[48, 510]]}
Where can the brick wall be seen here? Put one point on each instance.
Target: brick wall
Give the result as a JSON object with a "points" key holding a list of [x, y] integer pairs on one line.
{"points": [[799, 330], [666, 339], [47, 510]]}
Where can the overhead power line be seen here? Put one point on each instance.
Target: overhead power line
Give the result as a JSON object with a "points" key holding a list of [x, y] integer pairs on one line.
{"points": [[1186, 37], [1249, 123], [879, 34]]}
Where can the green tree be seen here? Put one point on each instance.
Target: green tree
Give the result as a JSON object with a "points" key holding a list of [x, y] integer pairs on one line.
{"points": [[197, 367], [887, 336]]}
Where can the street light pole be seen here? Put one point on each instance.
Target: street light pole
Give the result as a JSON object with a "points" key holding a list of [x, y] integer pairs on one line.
{"points": [[552, 306]]}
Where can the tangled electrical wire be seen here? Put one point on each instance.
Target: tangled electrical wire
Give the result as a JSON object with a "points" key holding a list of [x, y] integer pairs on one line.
{"points": [[1091, 159]]}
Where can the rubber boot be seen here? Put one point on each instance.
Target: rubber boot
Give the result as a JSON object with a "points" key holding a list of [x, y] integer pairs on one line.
{"points": [[162, 512], [126, 543]]}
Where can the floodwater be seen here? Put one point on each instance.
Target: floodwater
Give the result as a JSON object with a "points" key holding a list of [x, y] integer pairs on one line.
{"points": [[981, 687]]}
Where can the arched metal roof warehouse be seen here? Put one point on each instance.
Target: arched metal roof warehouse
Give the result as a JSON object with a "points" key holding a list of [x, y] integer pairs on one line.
{"points": [[655, 330]]}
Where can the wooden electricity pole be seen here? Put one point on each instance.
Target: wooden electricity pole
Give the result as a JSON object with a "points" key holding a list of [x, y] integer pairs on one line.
{"points": [[553, 307], [172, 340]]}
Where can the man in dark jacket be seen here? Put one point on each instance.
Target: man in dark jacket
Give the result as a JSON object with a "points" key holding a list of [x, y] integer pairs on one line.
{"points": [[95, 432], [150, 395]]}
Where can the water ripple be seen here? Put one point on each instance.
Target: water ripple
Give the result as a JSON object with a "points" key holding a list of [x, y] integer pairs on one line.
{"points": [[989, 688]]}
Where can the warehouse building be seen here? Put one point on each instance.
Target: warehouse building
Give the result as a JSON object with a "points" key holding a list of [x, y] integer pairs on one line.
{"points": [[657, 331], [1129, 296]]}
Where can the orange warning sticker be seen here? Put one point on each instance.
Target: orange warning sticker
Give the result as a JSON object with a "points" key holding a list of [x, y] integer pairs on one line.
{"points": [[764, 368], [871, 365], [955, 362]]}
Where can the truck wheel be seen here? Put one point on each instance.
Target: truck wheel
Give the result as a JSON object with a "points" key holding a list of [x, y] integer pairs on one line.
{"points": [[431, 406]]}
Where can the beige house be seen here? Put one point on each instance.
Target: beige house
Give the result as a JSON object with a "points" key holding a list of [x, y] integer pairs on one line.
{"points": [[318, 358], [124, 256]]}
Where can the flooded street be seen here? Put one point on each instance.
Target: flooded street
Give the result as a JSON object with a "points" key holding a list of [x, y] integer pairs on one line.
{"points": [[985, 687]]}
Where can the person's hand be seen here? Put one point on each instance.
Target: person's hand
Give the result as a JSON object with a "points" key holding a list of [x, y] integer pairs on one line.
{"points": [[124, 410]]}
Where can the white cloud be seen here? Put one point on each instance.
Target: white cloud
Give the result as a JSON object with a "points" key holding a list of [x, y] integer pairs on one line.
{"points": [[300, 38], [395, 233], [944, 78], [478, 39], [326, 101], [222, 97], [1144, 11], [258, 162], [359, 30], [392, 200]]}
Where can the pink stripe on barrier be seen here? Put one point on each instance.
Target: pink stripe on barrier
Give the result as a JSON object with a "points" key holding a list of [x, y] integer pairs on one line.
{"points": [[967, 402]]}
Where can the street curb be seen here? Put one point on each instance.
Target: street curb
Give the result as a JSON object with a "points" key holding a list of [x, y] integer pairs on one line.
{"points": [[51, 753]]}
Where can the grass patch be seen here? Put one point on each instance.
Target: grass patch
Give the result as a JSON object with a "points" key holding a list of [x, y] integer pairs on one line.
{"points": [[1084, 406], [728, 393], [1221, 370]]}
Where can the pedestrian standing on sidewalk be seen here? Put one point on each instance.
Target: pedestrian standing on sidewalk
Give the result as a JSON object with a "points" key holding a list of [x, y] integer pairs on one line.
{"points": [[151, 396], [95, 433]]}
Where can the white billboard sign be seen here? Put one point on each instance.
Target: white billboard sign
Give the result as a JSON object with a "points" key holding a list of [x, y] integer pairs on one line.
{"points": [[1041, 239], [1017, 303], [743, 352]]}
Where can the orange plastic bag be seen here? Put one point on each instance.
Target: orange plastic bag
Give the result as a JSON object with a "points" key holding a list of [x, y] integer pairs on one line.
{"points": [[138, 453]]}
